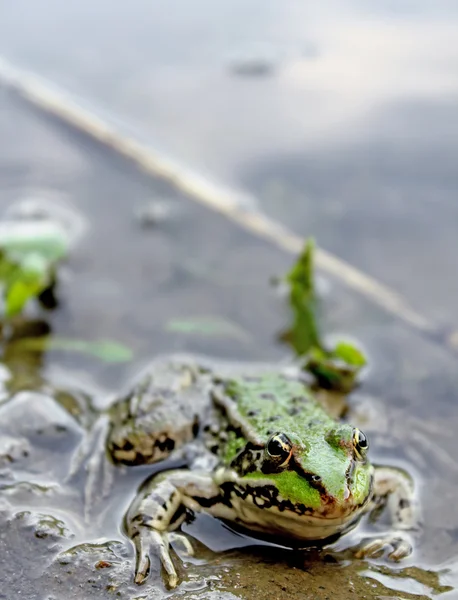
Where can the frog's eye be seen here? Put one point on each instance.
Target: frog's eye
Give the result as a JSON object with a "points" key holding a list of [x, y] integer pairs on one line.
{"points": [[360, 442], [280, 448]]}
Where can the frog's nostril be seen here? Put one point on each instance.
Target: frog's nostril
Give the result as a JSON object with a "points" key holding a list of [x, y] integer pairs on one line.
{"points": [[315, 478]]}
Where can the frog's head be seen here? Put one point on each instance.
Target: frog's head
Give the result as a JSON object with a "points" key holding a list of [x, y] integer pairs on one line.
{"points": [[315, 482]]}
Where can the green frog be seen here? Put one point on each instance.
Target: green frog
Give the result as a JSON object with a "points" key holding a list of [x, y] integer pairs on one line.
{"points": [[262, 453]]}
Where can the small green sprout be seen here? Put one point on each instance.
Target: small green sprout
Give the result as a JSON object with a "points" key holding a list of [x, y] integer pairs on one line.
{"points": [[334, 368], [29, 255]]}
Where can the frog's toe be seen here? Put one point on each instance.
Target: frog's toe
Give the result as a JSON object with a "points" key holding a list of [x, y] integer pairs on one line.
{"points": [[183, 542], [396, 547], [152, 545], [402, 548], [372, 549]]}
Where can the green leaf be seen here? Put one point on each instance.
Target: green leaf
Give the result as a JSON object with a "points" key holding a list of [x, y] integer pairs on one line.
{"points": [[303, 335], [349, 354], [336, 368], [332, 376], [18, 239], [29, 253], [208, 326], [106, 350], [23, 281], [19, 292], [301, 275]]}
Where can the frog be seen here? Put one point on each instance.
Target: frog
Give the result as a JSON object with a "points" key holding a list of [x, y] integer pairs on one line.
{"points": [[260, 453]]}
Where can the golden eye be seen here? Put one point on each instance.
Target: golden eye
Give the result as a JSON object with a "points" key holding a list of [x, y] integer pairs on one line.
{"points": [[280, 448], [360, 442]]}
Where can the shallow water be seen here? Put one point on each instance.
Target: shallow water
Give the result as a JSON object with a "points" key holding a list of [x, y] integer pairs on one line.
{"points": [[404, 403], [378, 189]]}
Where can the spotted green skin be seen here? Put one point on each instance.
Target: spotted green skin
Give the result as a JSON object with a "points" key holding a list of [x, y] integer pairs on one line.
{"points": [[261, 453], [326, 478], [322, 447]]}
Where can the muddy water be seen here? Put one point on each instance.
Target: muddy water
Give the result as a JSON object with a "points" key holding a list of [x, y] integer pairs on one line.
{"points": [[132, 283]]}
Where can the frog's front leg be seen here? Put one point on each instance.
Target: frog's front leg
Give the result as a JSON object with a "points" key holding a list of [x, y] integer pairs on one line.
{"points": [[393, 490], [158, 510]]}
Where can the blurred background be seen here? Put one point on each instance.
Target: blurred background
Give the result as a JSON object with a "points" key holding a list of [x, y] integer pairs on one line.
{"points": [[335, 119], [339, 118]]}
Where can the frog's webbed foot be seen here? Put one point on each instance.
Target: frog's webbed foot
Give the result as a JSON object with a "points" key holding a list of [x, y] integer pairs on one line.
{"points": [[395, 546], [151, 544], [158, 509], [393, 490], [91, 459]]}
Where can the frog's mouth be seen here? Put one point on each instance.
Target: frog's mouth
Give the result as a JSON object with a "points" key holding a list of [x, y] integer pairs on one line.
{"points": [[262, 507], [333, 508], [285, 520]]}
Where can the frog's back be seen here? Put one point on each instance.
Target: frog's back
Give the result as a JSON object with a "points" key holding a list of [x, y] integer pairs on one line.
{"points": [[161, 412], [255, 407]]}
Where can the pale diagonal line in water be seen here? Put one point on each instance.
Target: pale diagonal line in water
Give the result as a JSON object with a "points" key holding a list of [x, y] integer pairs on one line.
{"points": [[47, 97]]}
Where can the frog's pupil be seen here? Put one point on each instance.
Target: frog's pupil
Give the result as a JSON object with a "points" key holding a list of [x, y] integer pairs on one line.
{"points": [[274, 447], [278, 445], [362, 440]]}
